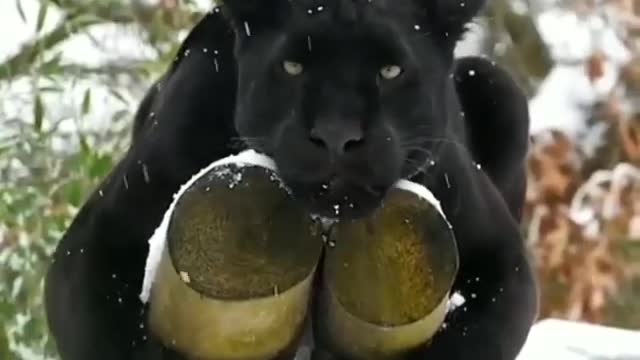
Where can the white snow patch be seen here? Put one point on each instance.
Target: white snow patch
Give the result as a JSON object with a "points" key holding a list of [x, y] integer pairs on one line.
{"points": [[326, 222], [107, 43], [565, 340], [16, 31], [565, 98], [423, 193], [158, 239], [474, 40], [455, 301]]}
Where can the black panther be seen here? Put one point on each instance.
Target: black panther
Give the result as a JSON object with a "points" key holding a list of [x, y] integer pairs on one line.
{"points": [[347, 96]]}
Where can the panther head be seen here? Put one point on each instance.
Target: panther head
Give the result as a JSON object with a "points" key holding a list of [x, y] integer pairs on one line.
{"points": [[348, 96]]}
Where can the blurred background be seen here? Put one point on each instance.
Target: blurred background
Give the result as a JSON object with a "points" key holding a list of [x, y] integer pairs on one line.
{"points": [[73, 71]]}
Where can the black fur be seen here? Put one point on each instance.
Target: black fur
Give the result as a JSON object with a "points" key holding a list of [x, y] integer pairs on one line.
{"points": [[459, 127]]}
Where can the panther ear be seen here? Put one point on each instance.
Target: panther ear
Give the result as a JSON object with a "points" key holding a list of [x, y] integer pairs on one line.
{"points": [[250, 16], [449, 18]]}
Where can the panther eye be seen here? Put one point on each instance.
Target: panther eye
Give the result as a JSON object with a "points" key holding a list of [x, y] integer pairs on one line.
{"points": [[390, 72], [292, 68]]}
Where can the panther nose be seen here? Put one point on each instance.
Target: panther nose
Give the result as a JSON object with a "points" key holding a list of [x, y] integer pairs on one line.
{"points": [[337, 138]]}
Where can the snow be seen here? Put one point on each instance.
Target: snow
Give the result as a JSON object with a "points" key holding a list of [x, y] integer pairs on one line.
{"points": [[423, 193], [473, 41], [564, 100], [455, 301], [101, 44], [95, 47], [565, 97], [564, 340], [22, 31], [593, 195], [157, 241]]}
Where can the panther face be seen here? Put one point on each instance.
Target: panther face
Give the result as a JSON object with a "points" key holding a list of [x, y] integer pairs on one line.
{"points": [[347, 96]]}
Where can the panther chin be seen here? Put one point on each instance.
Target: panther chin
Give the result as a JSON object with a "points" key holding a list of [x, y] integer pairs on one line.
{"points": [[337, 199]]}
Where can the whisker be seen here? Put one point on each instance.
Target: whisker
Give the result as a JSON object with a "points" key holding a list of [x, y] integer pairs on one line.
{"points": [[423, 140], [244, 142]]}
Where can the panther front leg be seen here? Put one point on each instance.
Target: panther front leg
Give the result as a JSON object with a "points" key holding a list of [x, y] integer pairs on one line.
{"points": [[495, 276], [500, 306]]}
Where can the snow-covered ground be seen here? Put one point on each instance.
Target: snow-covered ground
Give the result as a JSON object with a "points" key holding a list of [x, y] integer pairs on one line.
{"points": [[564, 340]]}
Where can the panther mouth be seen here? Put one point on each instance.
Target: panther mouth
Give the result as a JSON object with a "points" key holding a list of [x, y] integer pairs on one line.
{"points": [[340, 199]]}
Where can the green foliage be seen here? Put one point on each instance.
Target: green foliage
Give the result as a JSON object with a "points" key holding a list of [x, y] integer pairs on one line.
{"points": [[42, 187], [35, 212]]}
